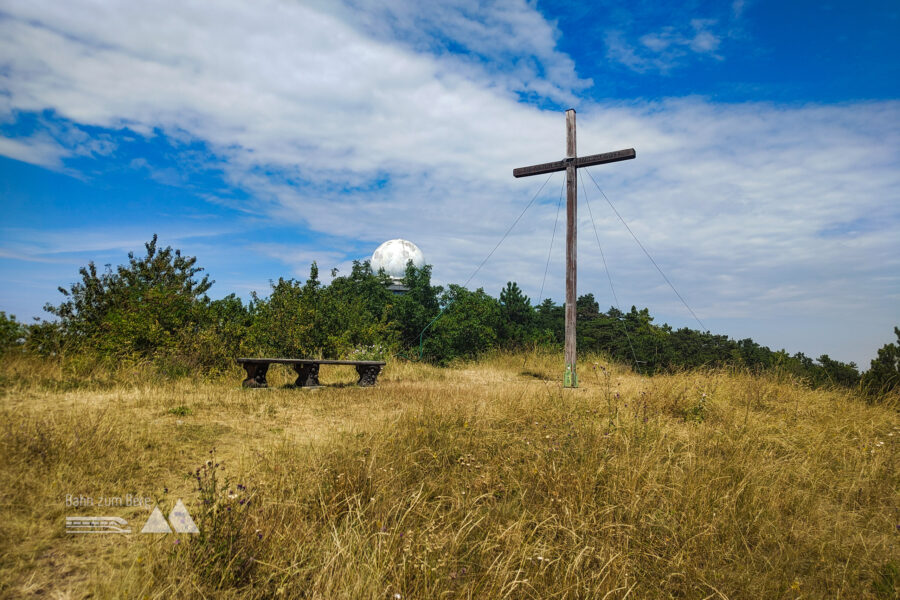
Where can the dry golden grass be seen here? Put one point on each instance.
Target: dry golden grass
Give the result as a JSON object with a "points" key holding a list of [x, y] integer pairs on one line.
{"points": [[483, 480]]}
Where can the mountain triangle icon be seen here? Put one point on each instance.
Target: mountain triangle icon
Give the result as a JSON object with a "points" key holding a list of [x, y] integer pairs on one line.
{"points": [[157, 523], [180, 519]]}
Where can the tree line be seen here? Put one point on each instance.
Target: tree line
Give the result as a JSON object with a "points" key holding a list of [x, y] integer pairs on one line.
{"points": [[156, 308]]}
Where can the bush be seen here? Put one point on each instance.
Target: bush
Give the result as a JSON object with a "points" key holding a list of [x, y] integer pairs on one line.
{"points": [[883, 375], [142, 309], [12, 333], [467, 327], [313, 321]]}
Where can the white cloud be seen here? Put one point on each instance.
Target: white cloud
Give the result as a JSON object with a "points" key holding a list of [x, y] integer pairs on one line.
{"points": [[667, 48], [753, 209], [35, 244], [41, 150]]}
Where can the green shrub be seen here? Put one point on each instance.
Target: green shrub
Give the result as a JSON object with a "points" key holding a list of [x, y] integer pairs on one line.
{"points": [[12, 333], [883, 375]]}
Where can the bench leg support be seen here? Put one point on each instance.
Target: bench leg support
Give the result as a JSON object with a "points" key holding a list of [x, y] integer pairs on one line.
{"points": [[367, 374], [307, 375], [256, 375]]}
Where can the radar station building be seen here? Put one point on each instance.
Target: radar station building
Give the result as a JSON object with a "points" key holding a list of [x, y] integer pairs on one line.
{"points": [[392, 256]]}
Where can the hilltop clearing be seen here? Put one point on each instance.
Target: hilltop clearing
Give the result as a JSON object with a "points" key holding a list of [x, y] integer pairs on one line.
{"points": [[485, 480]]}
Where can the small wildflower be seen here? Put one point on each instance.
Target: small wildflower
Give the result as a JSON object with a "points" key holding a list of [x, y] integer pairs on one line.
{"points": [[177, 541]]}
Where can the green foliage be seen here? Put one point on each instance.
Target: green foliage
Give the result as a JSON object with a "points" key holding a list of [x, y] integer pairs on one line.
{"points": [[696, 413], [12, 333], [415, 309], [517, 317], [155, 309], [316, 321], [550, 321], [289, 323], [633, 338], [143, 309], [44, 338], [467, 327], [887, 581], [883, 375], [359, 308]]}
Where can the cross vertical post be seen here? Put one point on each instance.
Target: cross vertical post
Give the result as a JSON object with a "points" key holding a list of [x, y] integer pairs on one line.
{"points": [[570, 378], [569, 165]]}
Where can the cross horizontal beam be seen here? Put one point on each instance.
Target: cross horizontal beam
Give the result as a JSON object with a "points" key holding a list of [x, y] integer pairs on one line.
{"points": [[581, 161]]}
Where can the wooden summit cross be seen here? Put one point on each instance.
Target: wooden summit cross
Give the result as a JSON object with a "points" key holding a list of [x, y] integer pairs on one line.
{"points": [[570, 164]]}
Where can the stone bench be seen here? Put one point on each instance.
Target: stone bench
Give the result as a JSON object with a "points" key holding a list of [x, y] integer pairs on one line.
{"points": [[307, 370]]}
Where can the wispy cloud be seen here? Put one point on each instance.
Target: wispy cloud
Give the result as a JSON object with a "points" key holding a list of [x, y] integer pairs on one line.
{"points": [[40, 150], [667, 48], [70, 245]]}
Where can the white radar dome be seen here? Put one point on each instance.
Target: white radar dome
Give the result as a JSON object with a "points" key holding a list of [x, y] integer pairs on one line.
{"points": [[393, 255]]}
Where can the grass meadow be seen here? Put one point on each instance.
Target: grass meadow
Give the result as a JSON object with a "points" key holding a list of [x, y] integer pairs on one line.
{"points": [[481, 480]]}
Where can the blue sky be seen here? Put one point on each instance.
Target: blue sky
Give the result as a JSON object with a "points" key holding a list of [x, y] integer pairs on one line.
{"points": [[262, 136]]}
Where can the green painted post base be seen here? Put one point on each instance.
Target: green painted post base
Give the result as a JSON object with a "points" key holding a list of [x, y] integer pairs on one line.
{"points": [[570, 379]]}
